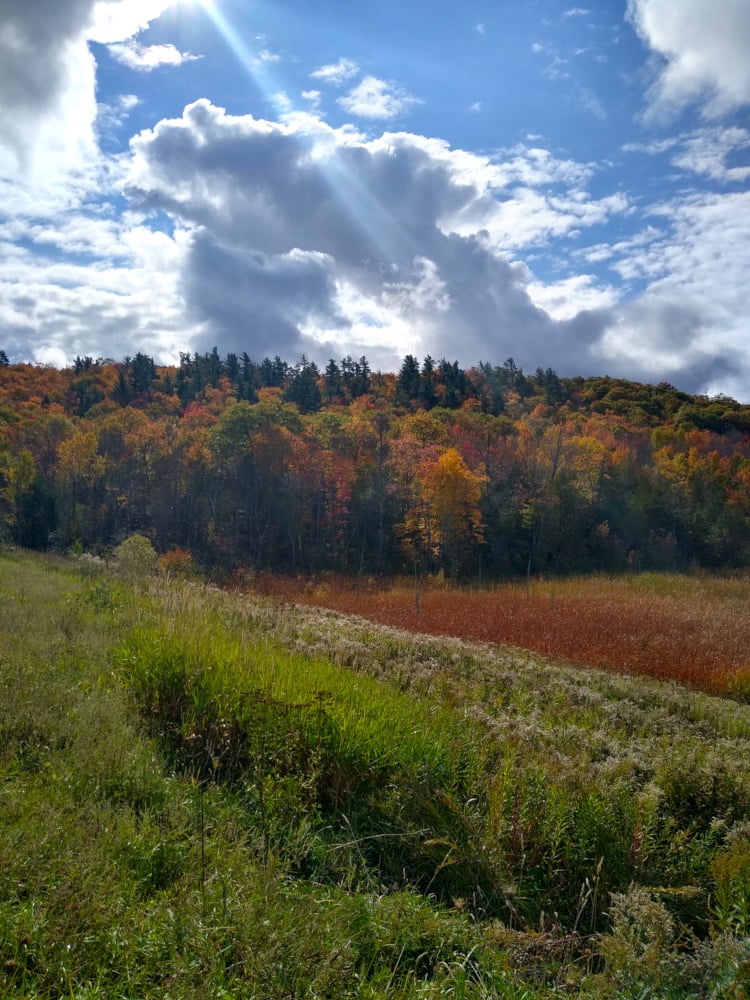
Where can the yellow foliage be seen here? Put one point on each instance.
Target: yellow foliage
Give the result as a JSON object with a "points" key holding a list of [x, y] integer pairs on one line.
{"points": [[444, 518]]}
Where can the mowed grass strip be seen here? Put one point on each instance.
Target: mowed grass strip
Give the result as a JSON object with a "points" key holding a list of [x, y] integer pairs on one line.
{"points": [[692, 630]]}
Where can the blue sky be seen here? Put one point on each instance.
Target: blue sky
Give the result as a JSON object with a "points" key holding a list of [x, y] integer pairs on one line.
{"points": [[564, 184]]}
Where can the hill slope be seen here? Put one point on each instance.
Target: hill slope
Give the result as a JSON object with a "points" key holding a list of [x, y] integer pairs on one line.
{"points": [[208, 794]]}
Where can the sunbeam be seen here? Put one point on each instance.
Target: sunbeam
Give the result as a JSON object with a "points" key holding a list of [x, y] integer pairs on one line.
{"points": [[387, 238]]}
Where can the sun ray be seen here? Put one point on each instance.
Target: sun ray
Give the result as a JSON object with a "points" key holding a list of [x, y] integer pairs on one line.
{"points": [[381, 229]]}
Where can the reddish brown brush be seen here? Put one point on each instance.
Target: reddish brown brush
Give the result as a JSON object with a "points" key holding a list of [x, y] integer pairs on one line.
{"points": [[699, 635]]}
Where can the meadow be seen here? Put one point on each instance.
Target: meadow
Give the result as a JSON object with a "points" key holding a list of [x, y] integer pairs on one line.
{"points": [[692, 629], [208, 793]]}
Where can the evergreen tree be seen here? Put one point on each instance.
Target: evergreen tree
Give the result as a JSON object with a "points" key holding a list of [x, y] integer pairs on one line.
{"points": [[333, 381], [455, 384], [408, 380], [302, 386], [273, 373], [427, 383]]}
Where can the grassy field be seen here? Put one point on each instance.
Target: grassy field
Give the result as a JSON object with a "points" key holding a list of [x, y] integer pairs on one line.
{"points": [[691, 629], [207, 794]]}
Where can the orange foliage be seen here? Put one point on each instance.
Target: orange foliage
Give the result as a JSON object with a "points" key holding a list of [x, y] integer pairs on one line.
{"points": [[177, 563]]}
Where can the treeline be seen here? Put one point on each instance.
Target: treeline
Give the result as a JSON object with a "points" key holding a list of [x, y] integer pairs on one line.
{"points": [[486, 471]]}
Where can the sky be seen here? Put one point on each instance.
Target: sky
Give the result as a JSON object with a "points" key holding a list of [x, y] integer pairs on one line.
{"points": [[565, 185]]}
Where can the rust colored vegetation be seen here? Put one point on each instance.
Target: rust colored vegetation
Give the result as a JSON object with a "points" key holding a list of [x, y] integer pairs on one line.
{"points": [[692, 630]]}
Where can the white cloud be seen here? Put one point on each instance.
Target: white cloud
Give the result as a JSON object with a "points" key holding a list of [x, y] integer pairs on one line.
{"points": [[147, 57], [424, 291], [266, 56], [338, 73], [706, 151], [313, 96], [531, 218], [374, 98], [691, 319], [112, 113], [282, 103], [555, 69], [395, 233], [564, 299], [589, 101], [116, 20], [576, 12], [476, 106], [48, 103], [120, 288], [534, 166], [704, 44], [702, 151], [653, 148], [403, 240]]}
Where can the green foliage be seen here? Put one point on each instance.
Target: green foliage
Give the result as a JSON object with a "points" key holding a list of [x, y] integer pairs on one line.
{"points": [[135, 558], [731, 871]]}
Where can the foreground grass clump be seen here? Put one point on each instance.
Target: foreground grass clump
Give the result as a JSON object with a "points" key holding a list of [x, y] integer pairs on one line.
{"points": [[205, 794]]}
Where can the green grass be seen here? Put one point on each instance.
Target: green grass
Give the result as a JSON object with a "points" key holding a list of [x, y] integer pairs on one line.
{"points": [[205, 794]]}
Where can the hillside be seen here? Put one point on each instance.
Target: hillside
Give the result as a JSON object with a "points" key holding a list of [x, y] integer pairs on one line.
{"points": [[479, 473], [213, 794]]}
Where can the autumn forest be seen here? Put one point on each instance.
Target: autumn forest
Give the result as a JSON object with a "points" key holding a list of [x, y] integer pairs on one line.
{"points": [[486, 472]]}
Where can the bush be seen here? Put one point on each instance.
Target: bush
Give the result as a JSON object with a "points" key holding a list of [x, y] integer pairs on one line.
{"points": [[178, 563], [135, 557]]}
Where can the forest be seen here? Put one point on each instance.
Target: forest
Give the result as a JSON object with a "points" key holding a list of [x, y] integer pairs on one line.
{"points": [[481, 473]]}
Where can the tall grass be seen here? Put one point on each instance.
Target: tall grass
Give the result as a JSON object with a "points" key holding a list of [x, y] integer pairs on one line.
{"points": [[209, 794]]}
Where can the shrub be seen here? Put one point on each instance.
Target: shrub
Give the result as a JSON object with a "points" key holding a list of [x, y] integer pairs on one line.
{"points": [[135, 557], [178, 563], [642, 935]]}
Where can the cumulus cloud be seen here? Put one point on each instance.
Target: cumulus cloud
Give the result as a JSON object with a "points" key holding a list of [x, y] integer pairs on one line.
{"points": [[565, 299], [374, 98], [304, 236], [247, 296], [116, 20], [704, 46], [46, 74], [78, 279], [147, 57]]}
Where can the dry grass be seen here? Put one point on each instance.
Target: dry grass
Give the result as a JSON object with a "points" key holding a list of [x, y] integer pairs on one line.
{"points": [[693, 630]]}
